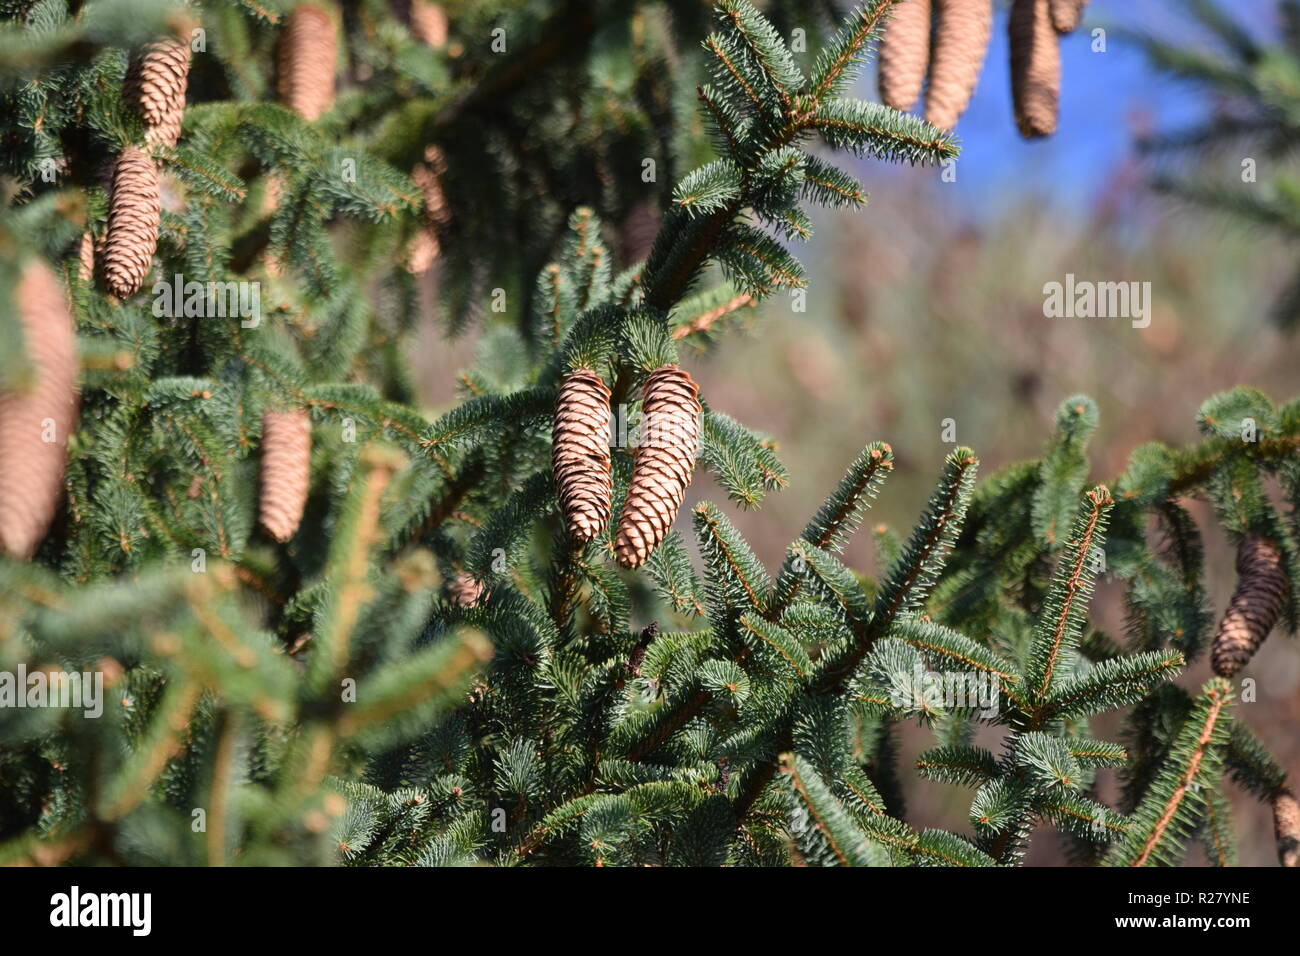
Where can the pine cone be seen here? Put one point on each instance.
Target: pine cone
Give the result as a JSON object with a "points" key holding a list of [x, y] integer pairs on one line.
{"points": [[465, 591], [427, 244], [307, 56], [638, 230], [86, 257], [270, 203], [1286, 828], [580, 453], [286, 471], [1035, 68], [1066, 14], [31, 468], [961, 39], [134, 214], [428, 22], [904, 54], [1255, 607], [155, 86], [665, 459]]}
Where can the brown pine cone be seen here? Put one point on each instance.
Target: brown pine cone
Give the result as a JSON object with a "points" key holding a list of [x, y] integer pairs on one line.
{"points": [[961, 38], [134, 215], [665, 458], [465, 591], [637, 232], [307, 57], [35, 422], [86, 257], [1286, 828], [270, 203], [1066, 14], [428, 22], [580, 453], [155, 85], [427, 244], [1035, 68], [286, 471], [1255, 607], [904, 54]]}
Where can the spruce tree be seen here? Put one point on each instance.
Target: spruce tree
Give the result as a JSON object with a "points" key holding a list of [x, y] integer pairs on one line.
{"points": [[1239, 159], [336, 629]]}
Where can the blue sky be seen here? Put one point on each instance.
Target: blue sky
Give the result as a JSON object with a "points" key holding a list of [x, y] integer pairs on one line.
{"points": [[1102, 94]]}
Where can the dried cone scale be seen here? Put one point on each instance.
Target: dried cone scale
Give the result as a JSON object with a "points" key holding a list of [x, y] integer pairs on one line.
{"points": [[1035, 67], [961, 39], [580, 453], [665, 458], [905, 54], [155, 85], [1066, 14], [134, 215], [35, 422], [1255, 605], [307, 56], [1286, 828], [286, 471]]}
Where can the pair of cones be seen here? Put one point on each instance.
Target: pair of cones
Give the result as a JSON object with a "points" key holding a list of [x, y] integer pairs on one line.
{"points": [[155, 86], [960, 41], [948, 40], [661, 469]]}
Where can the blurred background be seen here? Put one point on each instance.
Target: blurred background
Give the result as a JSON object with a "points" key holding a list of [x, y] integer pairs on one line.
{"points": [[928, 305]]}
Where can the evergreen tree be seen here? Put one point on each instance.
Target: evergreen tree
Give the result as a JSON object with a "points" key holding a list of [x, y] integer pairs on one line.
{"points": [[336, 630], [1252, 132]]}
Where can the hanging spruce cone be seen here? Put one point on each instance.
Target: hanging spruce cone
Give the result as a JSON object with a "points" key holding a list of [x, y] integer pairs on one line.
{"points": [[1066, 14], [580, 453], [155, 86], [428, 22], [307, 56], [427, 243], [286, 471], [86, 257], [1035, 67], [1286, 828], [637, 232], [35, 422], [270, 203], [134, 214], [1255, 606], [465, 591], [904, 54], [665, 459], [961, 38]]}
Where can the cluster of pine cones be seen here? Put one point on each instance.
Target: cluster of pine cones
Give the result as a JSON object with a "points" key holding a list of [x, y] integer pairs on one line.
{"points": [[945, 41], [661, 469], [155, 88]]}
